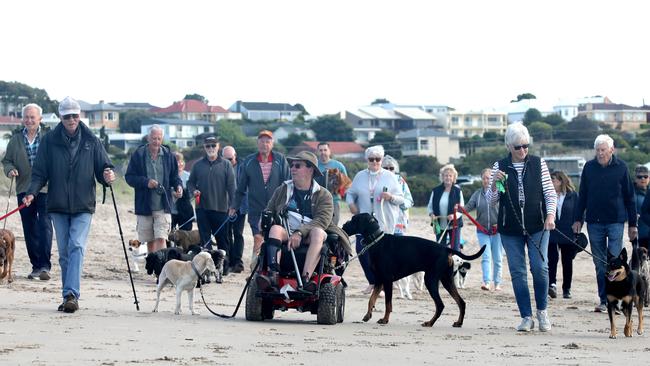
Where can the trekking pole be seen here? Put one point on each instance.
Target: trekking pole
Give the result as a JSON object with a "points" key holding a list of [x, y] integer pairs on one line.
{"points": [[126, 258], [11, 183]]}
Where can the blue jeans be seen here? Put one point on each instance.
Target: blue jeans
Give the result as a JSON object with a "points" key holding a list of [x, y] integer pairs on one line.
{"points": [[71, 234], [604, 238], [491, 260], [37, 227], [515, 247]]}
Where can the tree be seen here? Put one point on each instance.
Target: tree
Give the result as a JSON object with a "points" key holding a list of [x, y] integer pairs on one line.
{"points": [[301, 108], [195, 96], [131, 120], [521, 97], [332, 128], [230, 133], [380, 101], [484, 158], [386, 138], [427, 165], [20, 94], [553, 119], [532, 115], [294, 140], [540, 131], [580, 132]]}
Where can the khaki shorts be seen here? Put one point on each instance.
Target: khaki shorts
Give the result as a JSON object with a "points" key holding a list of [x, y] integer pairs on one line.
{"points": [[153, 227]]}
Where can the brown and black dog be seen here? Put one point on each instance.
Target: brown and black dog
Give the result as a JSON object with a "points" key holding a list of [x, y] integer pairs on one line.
{"points": [[7, 247], [393, 257], [624, 284], [337, 182], [184, 238]]}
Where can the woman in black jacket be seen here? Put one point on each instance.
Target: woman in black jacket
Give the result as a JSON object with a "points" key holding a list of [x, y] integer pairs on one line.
{"points": [[567, 199]]}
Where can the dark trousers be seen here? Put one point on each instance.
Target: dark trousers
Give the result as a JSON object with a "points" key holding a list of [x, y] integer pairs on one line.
{"points": [[210, 223], [643, 242], [236, 239], [182, 220], [569, 252], [446, 239], [37, 227], [365, 262]]}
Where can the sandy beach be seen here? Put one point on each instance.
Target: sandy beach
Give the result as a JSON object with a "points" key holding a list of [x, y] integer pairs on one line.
{"points": [[107, 330]]}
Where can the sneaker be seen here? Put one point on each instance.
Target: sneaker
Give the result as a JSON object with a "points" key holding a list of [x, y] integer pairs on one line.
{"points": [[70, 305], [34, 275], [44, 275], [566, 294], [544, 322], [602, 308], [527, 324], [552, 291]]}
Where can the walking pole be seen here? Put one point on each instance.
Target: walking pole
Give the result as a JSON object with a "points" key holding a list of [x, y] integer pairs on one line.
{"points": [[4, 223], [126, 258]]}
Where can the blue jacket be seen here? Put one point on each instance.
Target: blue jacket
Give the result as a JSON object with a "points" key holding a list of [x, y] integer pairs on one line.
{"points": [[606, 193], [639, 198], [250, 181], [136, 177]]}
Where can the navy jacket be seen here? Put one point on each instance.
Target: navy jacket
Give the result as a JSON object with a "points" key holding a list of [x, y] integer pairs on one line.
{"points": [[136, 177], [566, 220], [251, 181], [606, 193]]}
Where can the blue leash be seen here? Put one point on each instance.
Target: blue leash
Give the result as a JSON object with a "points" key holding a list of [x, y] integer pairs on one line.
{"points": [[228, 219]]}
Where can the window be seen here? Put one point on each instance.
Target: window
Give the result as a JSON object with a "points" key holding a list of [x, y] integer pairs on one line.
{"points": [[424, 144], [110, 116]]}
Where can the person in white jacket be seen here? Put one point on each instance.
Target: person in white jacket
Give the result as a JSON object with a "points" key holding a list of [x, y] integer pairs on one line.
{"points": [[390, 163]]}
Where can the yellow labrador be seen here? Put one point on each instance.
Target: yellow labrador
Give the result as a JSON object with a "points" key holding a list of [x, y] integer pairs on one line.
{"points": [[184, 277]]}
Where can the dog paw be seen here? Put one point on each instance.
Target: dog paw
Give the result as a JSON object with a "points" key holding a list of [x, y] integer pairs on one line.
{"points": [[457, 324], [427, 324], [382, 321], [177, 313], [154, 310], [639, 331], [367, 317], [612, 336]]}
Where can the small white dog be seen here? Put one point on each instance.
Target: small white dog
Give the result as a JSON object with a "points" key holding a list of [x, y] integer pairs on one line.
{"points": [[404, 284], [460, 270], [183, 276], [138, 253]]}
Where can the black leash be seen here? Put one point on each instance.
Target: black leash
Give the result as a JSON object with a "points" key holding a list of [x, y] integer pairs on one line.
{"points": [[514, 211], [580, 246], [241, 297]]}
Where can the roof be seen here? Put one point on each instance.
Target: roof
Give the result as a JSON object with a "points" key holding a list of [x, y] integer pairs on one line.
{"points": [[189, 106], [135, 105], [101, 106], [263, 106], [422, 132], [337, 147], [414, 113], [174, 121], [9, 120], [608, 107]]}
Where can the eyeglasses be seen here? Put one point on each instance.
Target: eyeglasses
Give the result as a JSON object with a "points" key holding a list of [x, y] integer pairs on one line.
{"points": [[210, 146], [297, 165], [641, 177], [519, 147], [70, 116], [391, 168], [377, 160], [230, 159]]}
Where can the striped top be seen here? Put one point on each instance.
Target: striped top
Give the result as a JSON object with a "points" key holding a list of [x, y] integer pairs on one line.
{"points": [[550, 196]]}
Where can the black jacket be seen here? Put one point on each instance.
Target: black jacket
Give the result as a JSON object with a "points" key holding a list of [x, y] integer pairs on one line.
{"points": [[566, 220], [70, 179], [250, 180]]}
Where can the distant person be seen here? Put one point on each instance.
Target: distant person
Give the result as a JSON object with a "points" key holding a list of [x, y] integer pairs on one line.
{"points": [[607, 196], [212, 182], [442, 202], [326, 162], [182, 210], [261, 174], [153, 173], [567, 201], [236, 227], [18, 161], [486, 215], [390, 163], [640, 192], [526, 215], [70, 159]]}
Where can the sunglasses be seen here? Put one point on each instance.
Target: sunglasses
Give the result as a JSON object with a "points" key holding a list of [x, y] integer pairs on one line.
{"points": [[70, 116], [519, 147], [298, 165], [391, 168], [230, 159], [210, 146], [641, 177], [377, 160]]}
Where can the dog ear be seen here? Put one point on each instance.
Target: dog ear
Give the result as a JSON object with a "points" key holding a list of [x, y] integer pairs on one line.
{"points": [[623, 255]]}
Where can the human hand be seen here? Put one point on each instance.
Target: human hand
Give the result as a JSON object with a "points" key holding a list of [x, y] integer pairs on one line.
{"points": [[294, 240], [12, 173], [28, 200], [385, 196], [152, 184], [549, 224], [179, 192], [577, 227], [109, 175], [632, 232], [232, 212], [450, 217]]}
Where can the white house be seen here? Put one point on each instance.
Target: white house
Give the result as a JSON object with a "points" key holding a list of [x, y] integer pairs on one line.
{"points": [[429, 142], [257, 111], [180, 132]]}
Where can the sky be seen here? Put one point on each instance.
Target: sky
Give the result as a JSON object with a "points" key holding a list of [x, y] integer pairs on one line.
{"points": [[329, 55]]}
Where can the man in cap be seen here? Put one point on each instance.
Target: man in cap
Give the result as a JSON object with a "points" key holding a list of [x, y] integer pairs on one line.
{"points": [[153, 173], [261, 174], [236, 227], [69, 160], [308, 208], [18, 162], [212, 181]]}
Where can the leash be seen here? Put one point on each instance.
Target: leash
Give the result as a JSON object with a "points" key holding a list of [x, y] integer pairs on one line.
{"points": [[11, 183], [579, 246], [241, 297], [228, 219], [365, 248], [13, 211]]}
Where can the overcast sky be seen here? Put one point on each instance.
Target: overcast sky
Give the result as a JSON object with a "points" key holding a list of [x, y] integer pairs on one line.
{"points": [[328, 55]]}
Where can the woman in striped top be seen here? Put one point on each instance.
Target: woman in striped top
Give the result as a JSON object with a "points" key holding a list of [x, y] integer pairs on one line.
{"points": [[527, 202]]}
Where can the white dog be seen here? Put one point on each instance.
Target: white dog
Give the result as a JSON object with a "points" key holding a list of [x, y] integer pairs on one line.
{"points": [[404, 284], [460, 270], [138, 253], [183, 275]]}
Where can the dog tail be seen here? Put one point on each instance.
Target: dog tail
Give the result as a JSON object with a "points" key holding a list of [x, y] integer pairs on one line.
{"points": [[467, 257]]}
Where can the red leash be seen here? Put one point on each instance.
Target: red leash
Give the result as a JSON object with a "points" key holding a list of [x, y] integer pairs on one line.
{"points": [[478, 226], [13, 211]]}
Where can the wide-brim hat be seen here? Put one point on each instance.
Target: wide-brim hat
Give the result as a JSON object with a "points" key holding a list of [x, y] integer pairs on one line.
{"points": [[581, 241], [309, 158]]}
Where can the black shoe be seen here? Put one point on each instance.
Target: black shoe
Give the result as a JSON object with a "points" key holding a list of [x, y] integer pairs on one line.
{"points": [[267, 282], [552, 291], [60, 308], [309, 286], [566, 294], [237, 268], [70, 305]]}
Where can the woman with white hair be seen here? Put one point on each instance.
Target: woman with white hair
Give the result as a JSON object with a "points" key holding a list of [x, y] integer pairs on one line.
{"points": [[376, 191], [527, 203], [391, 164], [443, 200]]}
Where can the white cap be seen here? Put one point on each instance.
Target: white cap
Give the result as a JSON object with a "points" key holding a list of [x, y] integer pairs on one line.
{"points": [[69, 106]]}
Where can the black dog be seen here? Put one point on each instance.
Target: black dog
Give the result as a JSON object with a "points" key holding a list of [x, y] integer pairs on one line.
{"points": [[624, 284], [393, 257], [155, 261]]}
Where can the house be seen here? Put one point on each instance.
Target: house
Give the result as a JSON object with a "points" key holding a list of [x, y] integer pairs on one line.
{"points": [[190, 109], [429, 142], [473, 123], [618, 116], [51, 120], [568, 108], [101, 115], [367, 121], [257, 111], [125, 141], [129, 106], [340, 149], [283, 132], [180, 132]]}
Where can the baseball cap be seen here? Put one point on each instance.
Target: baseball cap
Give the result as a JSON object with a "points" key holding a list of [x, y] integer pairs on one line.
{"points": [[69, 106], [211, 140], [266, 133]]}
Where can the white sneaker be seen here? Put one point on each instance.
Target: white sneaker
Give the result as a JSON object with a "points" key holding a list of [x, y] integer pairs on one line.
{"points": [[544, 322], [527, 324]]}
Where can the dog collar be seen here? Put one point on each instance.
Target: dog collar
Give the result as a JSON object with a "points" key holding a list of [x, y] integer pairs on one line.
{"points": [[195, 270], [375, 237]]}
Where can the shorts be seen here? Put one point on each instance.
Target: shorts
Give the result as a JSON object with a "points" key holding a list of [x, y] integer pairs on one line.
{"points": [[254, 222], [153, 227]]}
